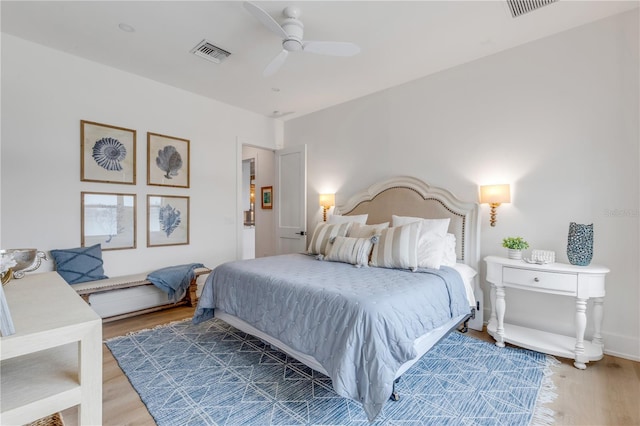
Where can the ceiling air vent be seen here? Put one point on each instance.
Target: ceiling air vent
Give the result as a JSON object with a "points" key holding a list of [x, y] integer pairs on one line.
{"points": [[520, 7], [208, 51]]}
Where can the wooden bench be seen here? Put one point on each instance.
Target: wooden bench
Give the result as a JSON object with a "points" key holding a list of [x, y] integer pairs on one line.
{"points": [[128, 281]]}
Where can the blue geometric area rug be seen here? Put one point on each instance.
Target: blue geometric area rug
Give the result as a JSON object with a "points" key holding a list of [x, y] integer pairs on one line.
{"points": [[213, 374]]}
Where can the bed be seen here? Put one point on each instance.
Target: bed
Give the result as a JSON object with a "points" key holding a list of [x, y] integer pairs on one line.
{"points": [[361, 326]]}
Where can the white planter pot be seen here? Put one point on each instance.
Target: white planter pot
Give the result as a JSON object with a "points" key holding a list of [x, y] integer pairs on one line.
{"points": [[514, 254]]}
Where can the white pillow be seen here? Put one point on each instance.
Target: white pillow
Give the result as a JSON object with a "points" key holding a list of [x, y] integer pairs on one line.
{"points": [[449, 255], [336, 218], [323, 233], [350, 250], [359, 230], [397, 247], [431, 242], [466, 271]]}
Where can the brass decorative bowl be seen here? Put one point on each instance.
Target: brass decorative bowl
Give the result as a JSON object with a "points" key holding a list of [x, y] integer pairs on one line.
{"points": [[27, 259]]}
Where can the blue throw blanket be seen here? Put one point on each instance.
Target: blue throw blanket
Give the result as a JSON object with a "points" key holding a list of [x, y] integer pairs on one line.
{"points": [[174, 280]]}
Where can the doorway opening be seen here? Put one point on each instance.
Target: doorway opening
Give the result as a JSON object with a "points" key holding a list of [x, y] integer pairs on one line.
{"points": [[248, 208], [258, 233]]}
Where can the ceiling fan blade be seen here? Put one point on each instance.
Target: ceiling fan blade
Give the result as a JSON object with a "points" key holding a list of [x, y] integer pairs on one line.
{"points": [[265, 18], [333, 48], [275, 63]]}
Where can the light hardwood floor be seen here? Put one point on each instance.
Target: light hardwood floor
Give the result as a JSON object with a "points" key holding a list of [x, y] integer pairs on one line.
{"points": [[606, 393]]}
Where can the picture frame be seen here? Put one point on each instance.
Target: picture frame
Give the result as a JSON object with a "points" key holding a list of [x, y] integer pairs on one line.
{"points": [[167, 220], [168, 161], [107, 153], [108, 219], [266, 197]]}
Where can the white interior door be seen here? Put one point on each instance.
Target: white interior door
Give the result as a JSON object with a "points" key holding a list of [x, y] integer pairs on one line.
{"points": [[290, 199]]}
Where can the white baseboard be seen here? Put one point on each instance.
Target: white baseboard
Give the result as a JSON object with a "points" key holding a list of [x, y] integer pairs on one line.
{"points": [[627, 347]]}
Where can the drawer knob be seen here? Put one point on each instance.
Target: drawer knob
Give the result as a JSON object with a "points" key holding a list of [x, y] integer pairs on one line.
{"points": [[536, 279]]}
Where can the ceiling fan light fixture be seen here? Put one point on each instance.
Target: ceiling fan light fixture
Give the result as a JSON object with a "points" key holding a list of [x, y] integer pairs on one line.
{"points": [[292, 45]]}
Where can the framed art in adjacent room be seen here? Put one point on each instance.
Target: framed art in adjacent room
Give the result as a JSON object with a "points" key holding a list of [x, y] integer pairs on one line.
{"points": [[167, 220], [108, 219], [267, 197], [167, 161], [107, 153]]}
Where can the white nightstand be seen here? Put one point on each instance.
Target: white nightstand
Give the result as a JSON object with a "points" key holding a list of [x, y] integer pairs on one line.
{"points": [[581, 282]]}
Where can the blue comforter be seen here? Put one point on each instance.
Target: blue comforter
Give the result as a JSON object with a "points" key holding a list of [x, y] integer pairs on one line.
{"points": [[359, 323]]}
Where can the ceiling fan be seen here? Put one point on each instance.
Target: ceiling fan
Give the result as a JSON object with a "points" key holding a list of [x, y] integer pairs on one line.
{"points": [[291, 31]]}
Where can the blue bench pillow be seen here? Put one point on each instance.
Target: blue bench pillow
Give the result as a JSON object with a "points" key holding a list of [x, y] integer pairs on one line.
{"points": [[79, 265]]}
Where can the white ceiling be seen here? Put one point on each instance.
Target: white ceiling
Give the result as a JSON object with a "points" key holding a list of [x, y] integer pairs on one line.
{"points": [[400, 41]]}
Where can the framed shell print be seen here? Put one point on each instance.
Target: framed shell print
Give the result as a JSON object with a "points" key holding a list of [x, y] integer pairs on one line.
{"points": [[167, 220], [108, 219], [107, 153], [167, 161]]}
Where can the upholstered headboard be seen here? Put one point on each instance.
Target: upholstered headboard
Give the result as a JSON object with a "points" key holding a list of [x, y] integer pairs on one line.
{"points": [[408, 196]]}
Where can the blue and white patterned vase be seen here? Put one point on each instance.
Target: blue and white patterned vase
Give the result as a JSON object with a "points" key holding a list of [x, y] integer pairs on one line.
{"points": [[580, 244]]}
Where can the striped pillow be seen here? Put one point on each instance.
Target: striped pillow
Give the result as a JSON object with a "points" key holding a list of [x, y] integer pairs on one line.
{"points": [[350, 250], [323, 233], [397, 247], [431, 240]]}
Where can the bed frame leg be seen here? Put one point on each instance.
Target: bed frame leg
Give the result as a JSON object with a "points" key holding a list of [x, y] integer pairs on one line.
{"points": [[395, 396], [464, 327]]}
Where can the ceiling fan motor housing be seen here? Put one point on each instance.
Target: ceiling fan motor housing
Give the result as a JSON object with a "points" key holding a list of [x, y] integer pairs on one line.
{"points": [[295, 31]]}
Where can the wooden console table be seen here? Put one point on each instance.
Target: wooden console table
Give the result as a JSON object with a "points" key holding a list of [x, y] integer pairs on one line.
{"points": [[54, 360], [581, 282]]}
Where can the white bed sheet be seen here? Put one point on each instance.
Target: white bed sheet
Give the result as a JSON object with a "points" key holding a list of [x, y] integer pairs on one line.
{"points": [[468, 277]]}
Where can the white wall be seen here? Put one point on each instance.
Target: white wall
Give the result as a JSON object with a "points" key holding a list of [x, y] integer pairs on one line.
{"points": [[556, 118], [45, 94]]}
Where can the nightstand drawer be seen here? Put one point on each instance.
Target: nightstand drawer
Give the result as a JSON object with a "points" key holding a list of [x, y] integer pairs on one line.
{"points": [[545, 281]]}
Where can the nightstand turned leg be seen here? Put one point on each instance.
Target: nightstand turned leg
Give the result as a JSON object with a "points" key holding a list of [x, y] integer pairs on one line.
{"points": [[492, 298], [581, 325], [500, 308], [598, 314]]}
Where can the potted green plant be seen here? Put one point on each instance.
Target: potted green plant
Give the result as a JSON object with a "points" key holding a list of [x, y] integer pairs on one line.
{"points": [[515, 245]]}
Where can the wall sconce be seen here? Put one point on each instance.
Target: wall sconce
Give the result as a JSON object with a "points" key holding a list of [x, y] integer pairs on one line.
{"points": [[326, 202], [494, 195]]}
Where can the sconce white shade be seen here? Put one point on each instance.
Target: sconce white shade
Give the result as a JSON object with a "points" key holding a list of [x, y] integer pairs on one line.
{"points": [[495, 194], [327, 200]]}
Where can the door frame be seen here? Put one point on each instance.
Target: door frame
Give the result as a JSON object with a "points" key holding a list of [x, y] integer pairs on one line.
{"points": [[239, 218], [240, 143]]}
